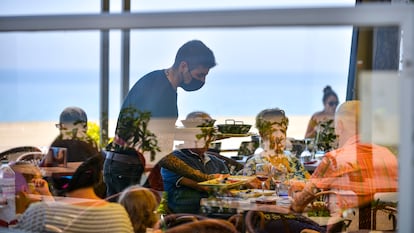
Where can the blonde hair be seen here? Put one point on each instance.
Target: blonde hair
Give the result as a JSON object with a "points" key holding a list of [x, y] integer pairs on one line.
{"points": [[141, 204]]}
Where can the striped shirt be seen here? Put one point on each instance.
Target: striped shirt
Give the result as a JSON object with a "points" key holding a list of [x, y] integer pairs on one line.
{"points": [[45, 216], [363, 169]]}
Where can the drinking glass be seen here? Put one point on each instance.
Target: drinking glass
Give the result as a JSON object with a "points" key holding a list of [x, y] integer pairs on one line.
{"points": [[278, 176], [306, 155], [262, 173]]}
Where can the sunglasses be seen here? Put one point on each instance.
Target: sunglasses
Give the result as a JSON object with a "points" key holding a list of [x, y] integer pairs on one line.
{"points": [[333, 103], [60, 126]]}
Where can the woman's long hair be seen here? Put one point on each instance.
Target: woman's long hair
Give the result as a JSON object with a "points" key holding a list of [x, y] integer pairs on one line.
{"points": [[141, 204]]}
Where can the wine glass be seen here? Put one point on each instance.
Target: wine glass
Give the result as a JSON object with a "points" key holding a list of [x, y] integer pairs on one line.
{"points": [[262, 173], [306, 155], [278, 174]]}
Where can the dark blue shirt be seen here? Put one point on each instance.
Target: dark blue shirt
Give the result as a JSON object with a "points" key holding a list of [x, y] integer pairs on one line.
{"points": [[153, 93]]}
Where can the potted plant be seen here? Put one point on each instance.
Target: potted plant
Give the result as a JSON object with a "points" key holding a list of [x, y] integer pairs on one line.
{"points": [[133, 132], [208, 133], [326, 137]]}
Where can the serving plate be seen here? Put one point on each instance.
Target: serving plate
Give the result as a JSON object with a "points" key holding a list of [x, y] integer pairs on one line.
{"points": [[228, 182], [194, 123], [249, 193]]}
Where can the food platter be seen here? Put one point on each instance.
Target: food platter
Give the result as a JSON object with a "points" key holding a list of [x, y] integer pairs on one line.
{"points": [[248, 193], [228, 182]]}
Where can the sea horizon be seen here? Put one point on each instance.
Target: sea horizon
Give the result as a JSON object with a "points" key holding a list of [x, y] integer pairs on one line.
{"points": [[30, 117], [41, 95], [42, 133]]}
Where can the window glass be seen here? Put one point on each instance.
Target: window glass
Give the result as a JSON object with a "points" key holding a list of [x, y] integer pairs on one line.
{"points": [[263, 67], [257, 67]]}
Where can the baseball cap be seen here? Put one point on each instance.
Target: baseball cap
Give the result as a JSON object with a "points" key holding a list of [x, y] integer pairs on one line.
{"points": [[73, 115]]}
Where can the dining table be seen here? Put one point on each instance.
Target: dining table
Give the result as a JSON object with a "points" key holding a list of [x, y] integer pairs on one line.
{"points": [[223, 207], [59, 171]]}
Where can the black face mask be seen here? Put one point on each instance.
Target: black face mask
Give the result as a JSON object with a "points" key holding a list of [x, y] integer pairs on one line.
{"points": [[194, 85]]}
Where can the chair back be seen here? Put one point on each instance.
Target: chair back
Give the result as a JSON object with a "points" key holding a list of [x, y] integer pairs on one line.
{"points": [[32, 157], [13, 153], [258, 221], [172, 220], [204, 226]]}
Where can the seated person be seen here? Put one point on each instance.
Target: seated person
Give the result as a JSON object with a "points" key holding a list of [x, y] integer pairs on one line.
{"points": [[141, 205], [172, 163], [330, 102], [355, 171], [82, 211], [272, 125], [184, 193], [26, 174], [73, 125]]}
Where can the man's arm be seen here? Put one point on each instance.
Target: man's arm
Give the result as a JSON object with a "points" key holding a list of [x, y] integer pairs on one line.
{"points": [[176, 165], [191, 184]]}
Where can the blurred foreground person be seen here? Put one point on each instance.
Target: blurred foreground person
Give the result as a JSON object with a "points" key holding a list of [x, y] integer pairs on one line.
{"points": [[82, 211], [28, 182], [141, 205], [355, 171]]}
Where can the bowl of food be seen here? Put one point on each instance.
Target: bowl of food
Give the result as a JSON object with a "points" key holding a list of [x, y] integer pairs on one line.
{"points": [[194, 123], [233, 127]]}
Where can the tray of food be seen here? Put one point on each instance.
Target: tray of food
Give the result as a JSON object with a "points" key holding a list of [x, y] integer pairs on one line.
{"points": [[227, 182], [249, 193]]}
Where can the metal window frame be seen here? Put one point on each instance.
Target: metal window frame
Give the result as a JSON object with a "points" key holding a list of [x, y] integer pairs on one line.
{"points": [[370, 15]]}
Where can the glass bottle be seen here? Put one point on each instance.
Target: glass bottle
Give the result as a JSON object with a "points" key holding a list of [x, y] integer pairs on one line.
{"points": [[8, 193]]}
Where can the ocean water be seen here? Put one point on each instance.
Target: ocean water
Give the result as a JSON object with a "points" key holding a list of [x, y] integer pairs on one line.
{"points": [[28, 96]]}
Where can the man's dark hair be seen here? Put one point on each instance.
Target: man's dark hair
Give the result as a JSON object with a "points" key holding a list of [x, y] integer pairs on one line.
{"points": [[195, 53]]}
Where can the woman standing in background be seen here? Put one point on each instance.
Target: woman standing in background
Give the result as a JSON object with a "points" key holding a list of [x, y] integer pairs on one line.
{"points": [[330, 102]]}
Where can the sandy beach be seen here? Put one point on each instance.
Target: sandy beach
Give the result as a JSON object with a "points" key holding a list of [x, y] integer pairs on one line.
{"points": [[41, 134]]}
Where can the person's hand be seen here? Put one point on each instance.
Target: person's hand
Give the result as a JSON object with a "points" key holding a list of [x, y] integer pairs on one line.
{"points": [[296, 186], [23, 200], [220, 176], [256, 184], [41, 186], [295, 206]]}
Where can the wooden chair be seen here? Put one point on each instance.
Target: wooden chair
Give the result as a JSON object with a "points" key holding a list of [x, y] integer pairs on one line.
{"points": [[258, 221], [33, 157], [237, 221], [204, 226], [13, 153], [173, 220], [385, 203]]}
